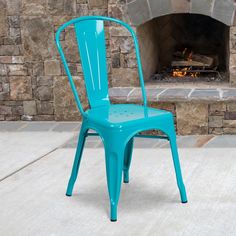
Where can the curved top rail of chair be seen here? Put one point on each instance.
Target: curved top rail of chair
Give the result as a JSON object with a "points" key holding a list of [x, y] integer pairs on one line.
{"points": [[104, 18]]}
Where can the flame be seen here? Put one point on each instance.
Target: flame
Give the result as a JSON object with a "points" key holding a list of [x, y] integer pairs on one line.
{"points": [[180, 72], [186, 70]]}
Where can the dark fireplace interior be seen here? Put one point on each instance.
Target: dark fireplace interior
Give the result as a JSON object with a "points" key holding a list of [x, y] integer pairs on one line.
{"points": [[184, 47]]}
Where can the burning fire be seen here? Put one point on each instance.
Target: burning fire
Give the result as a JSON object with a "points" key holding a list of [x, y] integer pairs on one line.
{"points": [[186, 70]]}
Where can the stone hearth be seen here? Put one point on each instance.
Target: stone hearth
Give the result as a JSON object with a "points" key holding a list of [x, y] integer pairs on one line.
{"points": [[197, 111]]}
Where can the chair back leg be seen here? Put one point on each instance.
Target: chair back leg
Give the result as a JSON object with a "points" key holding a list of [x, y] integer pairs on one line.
{"points": [[178, 173], [127, 160]]}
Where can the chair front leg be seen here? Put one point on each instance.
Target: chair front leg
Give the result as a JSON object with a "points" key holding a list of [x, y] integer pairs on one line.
{"points": [[127, 160], [77, 160], [178, 173], [114, 151]]}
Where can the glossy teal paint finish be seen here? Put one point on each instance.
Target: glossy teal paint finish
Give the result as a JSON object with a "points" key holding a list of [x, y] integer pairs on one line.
{"points": [[78, 155], [91, 42], [117, 125], [127, 160], [125, 115]]}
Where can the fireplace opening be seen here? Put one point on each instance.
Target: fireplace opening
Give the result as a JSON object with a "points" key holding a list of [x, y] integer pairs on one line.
{"points": [[185, 48]]}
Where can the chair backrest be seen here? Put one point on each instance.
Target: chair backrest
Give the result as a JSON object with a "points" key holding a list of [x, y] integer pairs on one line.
{"points": [[90, 37]]}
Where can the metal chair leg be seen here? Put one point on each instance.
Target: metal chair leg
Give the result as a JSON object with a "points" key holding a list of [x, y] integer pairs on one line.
{"points": [[178, 173], [127, 160], [78, 155], [114, 164]]}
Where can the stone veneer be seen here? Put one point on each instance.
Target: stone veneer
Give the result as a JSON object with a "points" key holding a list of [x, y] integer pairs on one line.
{"points": [[33, 85]]}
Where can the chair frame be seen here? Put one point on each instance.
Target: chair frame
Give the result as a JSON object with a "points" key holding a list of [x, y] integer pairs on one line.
{"points": [[117, 159]]}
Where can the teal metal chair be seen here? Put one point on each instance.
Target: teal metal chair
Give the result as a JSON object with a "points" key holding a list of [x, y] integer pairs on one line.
{"points": [[116, 124]]}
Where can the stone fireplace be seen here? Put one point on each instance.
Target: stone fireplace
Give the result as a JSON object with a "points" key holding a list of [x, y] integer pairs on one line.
{"points": [[166, 28], [185, 47], [169, 29]]}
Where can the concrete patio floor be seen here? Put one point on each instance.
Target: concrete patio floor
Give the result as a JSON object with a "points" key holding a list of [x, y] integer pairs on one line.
{"points": [[36, 160]]}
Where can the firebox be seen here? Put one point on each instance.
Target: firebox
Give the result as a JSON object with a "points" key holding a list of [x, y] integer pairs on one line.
{"points": [[185, 47]]}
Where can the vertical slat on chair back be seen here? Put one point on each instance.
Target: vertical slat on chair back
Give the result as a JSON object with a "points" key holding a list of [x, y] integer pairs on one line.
{"points": [[90, 37]]}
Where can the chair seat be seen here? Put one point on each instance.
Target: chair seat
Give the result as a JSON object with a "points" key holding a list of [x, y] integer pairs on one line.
{"points": [[126, 115]]}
